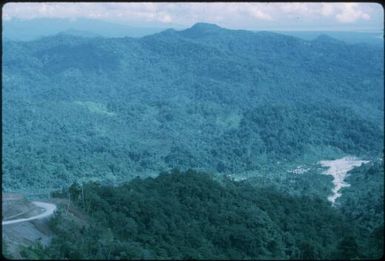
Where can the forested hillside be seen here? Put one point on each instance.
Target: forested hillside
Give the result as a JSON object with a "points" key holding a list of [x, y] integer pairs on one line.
{"points": [[363, 204], [226, 101], [189, 215]]}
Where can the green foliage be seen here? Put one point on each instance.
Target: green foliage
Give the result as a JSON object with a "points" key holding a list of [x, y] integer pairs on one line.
{"points": [[184, 215], [5, 250], [347, 249], [81, 109], [286, 133], [376, 243], [363, 204], [96, 112], [35, 252]]}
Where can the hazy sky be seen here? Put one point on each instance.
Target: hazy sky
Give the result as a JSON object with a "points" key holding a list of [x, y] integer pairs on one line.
{"points": [[279, 16]]}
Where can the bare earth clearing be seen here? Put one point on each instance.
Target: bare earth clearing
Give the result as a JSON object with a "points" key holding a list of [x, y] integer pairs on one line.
{"points": [[338, 169]]}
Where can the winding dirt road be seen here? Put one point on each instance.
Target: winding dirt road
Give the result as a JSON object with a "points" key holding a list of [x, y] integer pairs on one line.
{"points": [[47, 208]]}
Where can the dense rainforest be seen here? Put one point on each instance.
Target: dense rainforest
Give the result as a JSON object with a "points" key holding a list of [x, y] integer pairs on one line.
{"points": [[218, 100], [203, 143], [184, 215]]}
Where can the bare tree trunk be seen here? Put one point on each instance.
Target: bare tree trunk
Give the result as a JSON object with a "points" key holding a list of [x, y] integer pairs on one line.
{"points": [[69, 201], [84, 205]]}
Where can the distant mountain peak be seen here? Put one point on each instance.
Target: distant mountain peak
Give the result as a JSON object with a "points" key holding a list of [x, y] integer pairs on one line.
{"points": [[168, 31], [201, 29], [324, 38], [205, 26]]}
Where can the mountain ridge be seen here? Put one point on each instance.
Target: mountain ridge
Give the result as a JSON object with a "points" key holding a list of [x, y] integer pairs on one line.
{"points": [[196, 30]]}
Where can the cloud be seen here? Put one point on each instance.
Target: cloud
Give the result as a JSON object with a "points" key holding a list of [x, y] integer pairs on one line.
{"points": [[165, 18], [296, 8], [105, 11], [161, 12], [351, 13], [342, 12], [327, 9], [258, 13], [233, 14]]}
